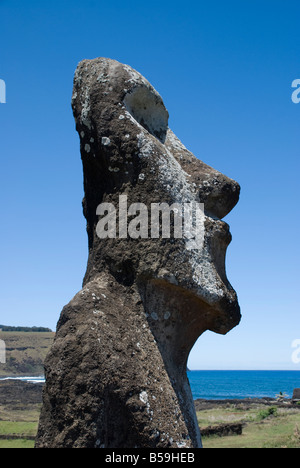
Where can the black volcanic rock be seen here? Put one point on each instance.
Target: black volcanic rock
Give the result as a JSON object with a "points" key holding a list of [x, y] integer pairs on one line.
{"points": [[296, 394]]}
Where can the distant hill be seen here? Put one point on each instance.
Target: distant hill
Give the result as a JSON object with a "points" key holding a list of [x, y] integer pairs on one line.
{"points": [[25, 351], [25, 329]]}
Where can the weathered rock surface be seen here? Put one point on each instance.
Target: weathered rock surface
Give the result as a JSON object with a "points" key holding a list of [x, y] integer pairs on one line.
{"points": [[296, 394], [116, 374]]}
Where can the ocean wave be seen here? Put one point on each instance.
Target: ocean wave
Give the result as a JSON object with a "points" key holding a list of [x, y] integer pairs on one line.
{"points": [[35, 379]]}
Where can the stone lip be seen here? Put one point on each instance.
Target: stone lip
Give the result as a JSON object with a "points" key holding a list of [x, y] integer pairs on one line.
{"points": [[116, 373]]}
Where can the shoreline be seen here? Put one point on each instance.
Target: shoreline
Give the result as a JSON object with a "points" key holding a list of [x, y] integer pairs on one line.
{"points": [[40, 379], [200, 403], [16, 382], [245, 403]]}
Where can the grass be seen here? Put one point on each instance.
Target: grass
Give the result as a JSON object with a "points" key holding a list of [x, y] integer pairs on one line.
{"points": [[18, 423], [17, 443], [18, 427], [263, 427]]}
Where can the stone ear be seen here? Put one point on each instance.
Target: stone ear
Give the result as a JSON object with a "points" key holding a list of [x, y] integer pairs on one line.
{"points": [[148, 109]]}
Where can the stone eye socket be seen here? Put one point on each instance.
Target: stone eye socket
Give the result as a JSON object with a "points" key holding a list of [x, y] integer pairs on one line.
{"points": [[148, 109]]}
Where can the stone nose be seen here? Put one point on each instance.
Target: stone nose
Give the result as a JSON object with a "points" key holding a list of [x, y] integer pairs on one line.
{"points": [[219, 194]]}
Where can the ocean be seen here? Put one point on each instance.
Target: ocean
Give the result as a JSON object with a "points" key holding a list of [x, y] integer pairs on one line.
{"points": [[236, 384]]}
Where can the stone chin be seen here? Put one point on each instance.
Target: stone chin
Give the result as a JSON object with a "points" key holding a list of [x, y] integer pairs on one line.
{"points": [[198, 293], [209, 279]]}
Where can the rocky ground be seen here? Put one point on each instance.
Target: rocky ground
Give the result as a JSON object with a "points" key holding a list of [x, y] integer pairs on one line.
{"points": [[245, 403], [18, 395], [20, 404]]}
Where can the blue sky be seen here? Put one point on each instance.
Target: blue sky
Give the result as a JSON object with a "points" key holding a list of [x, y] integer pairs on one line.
{"points": [[224, 70]]}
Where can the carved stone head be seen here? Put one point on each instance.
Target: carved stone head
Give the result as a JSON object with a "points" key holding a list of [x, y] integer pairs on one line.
{"points": [[167, 288]]}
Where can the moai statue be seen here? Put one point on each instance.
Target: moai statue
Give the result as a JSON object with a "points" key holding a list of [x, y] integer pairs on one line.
{"points": [[116, 373]]}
